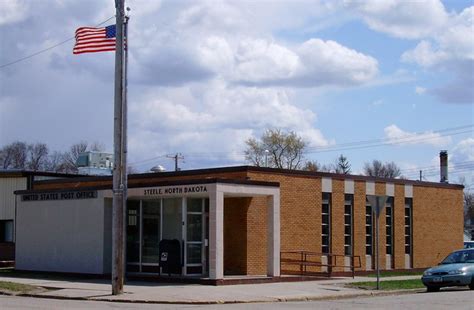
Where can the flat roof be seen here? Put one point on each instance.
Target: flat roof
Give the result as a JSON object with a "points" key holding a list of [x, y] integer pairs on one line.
{"points": [[300, 173], [15, 173], [158, 184]]}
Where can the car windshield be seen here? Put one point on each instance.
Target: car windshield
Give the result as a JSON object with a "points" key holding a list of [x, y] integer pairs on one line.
{"points": [[459, 257]]}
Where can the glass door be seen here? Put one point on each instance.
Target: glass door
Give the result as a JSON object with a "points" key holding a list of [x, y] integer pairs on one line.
{"points": [[195, 250], [151, 210]]}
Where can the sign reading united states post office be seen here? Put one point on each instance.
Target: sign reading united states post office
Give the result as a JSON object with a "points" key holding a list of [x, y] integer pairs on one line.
{"points": [[69, 195]]}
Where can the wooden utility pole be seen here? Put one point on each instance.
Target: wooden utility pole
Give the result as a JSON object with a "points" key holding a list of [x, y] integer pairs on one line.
{"points": [[120, 158], [176, 158]]}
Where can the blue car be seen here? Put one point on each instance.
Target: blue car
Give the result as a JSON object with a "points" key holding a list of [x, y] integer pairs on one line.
{"points": [[455, 270]]}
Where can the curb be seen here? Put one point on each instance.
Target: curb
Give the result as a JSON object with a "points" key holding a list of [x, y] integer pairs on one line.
{"points": [[217, 302]]}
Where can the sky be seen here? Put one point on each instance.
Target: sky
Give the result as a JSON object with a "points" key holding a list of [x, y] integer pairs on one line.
{"points": [[376, 79]]}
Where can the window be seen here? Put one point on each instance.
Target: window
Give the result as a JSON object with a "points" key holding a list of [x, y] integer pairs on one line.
{"points": [[348, 207], [389, 225], [326, 223], [368, 229], [408, 228], [6, 231]]}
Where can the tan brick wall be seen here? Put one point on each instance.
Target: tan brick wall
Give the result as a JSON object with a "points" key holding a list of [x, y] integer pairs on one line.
{"points": [[399, 227], [437, 220], [300, 214], [257, 237], [380, 189], [235, 235], [437, 224], [337, 222], [359, 221]]}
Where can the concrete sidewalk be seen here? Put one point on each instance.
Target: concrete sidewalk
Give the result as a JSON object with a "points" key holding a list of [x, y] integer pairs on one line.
{"points": [[148, 292]]}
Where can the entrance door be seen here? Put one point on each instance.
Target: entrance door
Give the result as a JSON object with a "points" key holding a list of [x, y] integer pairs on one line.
{"points": [[196, 239]]}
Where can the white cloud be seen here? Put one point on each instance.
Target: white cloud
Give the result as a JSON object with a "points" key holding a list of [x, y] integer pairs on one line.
{"points": [[213, 120], [397, 136], [13, 11], [464, 151], [446, 44], [420, 90], [403, 19]]}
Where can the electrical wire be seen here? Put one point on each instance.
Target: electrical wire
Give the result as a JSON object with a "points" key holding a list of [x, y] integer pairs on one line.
{"points": [[48, 48]]}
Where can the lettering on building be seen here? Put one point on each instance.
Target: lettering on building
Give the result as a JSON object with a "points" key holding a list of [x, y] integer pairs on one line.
{"points": [[174, 190], [72, 195]]}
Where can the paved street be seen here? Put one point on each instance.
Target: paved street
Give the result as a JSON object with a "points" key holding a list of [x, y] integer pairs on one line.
{"points": [[447, 299]]}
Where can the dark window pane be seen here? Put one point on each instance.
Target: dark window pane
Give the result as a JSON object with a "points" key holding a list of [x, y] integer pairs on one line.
{"points": [[388, 240], [347, 250], [388, 231], [407, 230], [407, 249], [407, 221], [325, 249], [389, 210], [389, 250], [368, 240], [325, 240], [407, 212], [194, 270], [347, 209], [368, 250], [368, 210], [194, 204], [194, 253], [326, 196], [325, 208], [325, 218], [347, 230], [407, 239], [368, 220], [347, 240], [368, 230], [325, 230], [347, 219], [194, 229]]}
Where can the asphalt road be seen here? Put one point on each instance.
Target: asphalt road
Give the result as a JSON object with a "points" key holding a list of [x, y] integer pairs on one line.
{"points": [[446, 299]]}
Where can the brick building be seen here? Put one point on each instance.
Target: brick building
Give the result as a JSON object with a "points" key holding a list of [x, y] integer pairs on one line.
{"points": [[238, 221]]}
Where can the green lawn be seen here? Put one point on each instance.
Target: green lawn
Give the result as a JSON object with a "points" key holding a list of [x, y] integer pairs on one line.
{"points": [[16, 287], [396, 274], [390, 285]]}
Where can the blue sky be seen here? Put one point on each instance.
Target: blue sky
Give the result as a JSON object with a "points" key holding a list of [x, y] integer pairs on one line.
{"points": [[207, 75]]}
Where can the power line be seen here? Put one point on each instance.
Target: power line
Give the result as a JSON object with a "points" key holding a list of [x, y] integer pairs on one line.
{"points": [[339, 147], [46, 49]]}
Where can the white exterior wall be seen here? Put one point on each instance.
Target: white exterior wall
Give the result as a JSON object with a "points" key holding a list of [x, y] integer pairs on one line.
{"points": [[62, 236], [7, 198]]}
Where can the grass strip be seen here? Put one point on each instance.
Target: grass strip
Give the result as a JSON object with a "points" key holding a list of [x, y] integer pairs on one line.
{"points": [[389, 285], [385, 274], [16, 287]]}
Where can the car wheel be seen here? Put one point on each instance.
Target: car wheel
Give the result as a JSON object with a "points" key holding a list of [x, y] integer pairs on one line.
{"points": [[432, 289]]}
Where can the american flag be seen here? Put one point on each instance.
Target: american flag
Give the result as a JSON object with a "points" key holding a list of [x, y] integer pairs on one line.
{"points": [[92, 40]]}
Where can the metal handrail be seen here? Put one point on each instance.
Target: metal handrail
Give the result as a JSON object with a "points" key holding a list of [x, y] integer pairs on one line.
{"points": [[303, 259]]}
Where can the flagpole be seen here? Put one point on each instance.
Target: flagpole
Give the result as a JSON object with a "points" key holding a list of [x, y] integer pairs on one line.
{"points": [[120, 164]]}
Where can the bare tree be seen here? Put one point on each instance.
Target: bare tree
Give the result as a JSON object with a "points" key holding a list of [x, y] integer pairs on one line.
{"points": [[70, 157], [285, 149], [342, 165], [14, 155], [37, 156], [312, 165], [97, 147], [384, 170]]}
